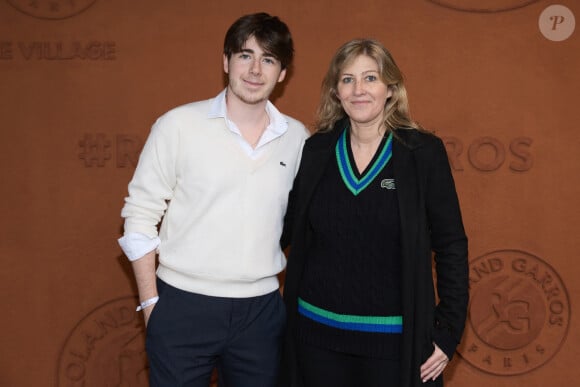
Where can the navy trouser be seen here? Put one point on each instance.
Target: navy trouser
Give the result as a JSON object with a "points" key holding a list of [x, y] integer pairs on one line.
{"points": [[189, 334]]}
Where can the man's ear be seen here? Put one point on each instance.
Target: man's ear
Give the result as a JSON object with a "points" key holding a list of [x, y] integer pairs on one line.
{"points": [[282, 75], [226, 64]]}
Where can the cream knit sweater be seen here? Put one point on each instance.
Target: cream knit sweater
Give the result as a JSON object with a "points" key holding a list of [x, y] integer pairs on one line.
{"points": [[220, 211]]}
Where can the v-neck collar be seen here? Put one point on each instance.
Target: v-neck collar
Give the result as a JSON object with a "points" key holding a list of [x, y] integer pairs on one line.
{"points": [[355, 182]]}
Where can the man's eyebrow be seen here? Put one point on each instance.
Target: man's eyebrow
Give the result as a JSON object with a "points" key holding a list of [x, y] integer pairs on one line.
{"points": [[250, 51]]}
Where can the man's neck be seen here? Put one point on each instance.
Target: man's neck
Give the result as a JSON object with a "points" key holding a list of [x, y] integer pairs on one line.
{"points": [[244, 114], [251, 119]]}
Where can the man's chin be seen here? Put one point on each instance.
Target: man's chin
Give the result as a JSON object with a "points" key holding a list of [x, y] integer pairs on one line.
{"points": [[253, 99], [250, 97]]}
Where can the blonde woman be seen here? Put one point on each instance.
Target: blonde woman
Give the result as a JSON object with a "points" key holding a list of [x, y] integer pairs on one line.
{"points": [[373, 199]]}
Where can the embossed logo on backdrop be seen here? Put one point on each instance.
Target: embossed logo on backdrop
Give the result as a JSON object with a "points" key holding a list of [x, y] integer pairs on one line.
{"points": [[51, 9], [106, 348], [489, 154], [47, 49], [519, 313], [483, 6]]}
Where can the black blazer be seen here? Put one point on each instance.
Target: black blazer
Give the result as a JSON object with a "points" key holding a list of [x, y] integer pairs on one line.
{"points": [[430, 222]]}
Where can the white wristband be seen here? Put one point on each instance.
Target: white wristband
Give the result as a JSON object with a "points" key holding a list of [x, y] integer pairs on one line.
{"points": [[147, 303]]}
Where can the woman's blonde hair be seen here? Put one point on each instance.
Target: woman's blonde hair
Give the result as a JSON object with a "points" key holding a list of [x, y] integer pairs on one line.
{"points": [[396, 112]]}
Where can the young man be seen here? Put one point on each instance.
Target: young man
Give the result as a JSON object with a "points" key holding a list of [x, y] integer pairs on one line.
{"points": [[216, 174]]}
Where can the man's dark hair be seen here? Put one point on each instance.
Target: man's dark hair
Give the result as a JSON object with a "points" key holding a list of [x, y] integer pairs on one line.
{"points": [[270, 33]]}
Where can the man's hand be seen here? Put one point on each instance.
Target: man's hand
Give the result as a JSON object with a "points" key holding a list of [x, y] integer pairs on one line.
{"points": [[144, 270], [147, 313]]}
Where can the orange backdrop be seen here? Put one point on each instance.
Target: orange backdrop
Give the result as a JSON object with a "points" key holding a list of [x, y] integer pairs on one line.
{"points": [[82, 82]]}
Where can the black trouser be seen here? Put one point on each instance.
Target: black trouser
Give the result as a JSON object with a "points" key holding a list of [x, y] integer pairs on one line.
{"points": [[189, 334], [321, 367]]}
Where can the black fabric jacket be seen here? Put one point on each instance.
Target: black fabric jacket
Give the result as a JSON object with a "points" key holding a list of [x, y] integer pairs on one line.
{"points": [[430, 223]]}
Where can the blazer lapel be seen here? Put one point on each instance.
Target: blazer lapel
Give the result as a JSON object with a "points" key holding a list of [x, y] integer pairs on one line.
{"points": [[318, 158], [406, 183]]}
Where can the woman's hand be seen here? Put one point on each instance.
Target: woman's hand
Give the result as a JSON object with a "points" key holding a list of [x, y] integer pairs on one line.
{"points": [[435, 365]]}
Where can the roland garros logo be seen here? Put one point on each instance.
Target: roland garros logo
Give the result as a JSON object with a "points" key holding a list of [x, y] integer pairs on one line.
{"points": [[51, 9], [519, 313], [106, 348]]}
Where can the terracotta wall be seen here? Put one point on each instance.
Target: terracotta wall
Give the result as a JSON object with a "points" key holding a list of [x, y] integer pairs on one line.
{"points": [[82, 81]]}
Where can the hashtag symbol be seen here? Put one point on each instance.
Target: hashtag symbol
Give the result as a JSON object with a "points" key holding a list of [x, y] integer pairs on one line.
{"points": [[95, 151]]}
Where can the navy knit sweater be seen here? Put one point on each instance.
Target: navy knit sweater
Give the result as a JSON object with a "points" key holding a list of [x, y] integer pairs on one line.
{"points": [[353, 267]]}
